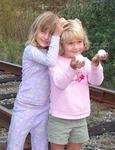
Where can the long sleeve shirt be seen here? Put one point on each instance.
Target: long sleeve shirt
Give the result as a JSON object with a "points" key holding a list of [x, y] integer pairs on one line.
{"points": [[69, 98], [35, 85]]}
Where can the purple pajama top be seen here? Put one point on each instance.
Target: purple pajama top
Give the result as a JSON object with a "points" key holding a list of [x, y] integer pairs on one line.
{"points": [[34, 88]]}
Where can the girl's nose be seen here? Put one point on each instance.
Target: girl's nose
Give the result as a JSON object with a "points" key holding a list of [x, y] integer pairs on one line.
{"points": [[47, 35], [76, 46]]}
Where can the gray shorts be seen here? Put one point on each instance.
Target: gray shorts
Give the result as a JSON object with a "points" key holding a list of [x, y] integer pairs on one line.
{"points": [[63, 131]]}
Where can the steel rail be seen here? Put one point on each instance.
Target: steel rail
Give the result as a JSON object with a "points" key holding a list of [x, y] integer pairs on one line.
{"points": [[10, 68], [103, 95], [97, 93]]}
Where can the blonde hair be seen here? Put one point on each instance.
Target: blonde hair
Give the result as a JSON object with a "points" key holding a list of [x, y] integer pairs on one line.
{"points": [[75, 31], [44, 21]]}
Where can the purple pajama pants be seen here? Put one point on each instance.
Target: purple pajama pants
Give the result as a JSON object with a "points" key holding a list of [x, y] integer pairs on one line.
{"points": [[28, 118]]}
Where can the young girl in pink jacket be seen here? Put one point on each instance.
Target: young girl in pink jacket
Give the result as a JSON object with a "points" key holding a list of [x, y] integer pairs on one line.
{"points": [[69, 98]]}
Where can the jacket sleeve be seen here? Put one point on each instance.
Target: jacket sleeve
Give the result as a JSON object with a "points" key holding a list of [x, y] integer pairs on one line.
{"points": [[95, 74], [48, 58], [61, 77]]}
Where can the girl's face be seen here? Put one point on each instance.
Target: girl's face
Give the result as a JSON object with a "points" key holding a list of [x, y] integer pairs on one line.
{"points": [[43, 38], [73, 48]]}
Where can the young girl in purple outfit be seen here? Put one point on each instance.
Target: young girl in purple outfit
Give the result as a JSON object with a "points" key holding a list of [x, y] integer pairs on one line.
{"points": [[30, 112]]}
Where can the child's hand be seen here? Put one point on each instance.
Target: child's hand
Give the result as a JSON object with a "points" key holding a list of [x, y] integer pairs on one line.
{"points": [[62, 24], [99, 57], [78, 21], [76, 64]]}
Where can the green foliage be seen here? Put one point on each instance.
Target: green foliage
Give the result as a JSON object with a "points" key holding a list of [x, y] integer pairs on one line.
{"points": [[11, 51], [16, 16], [14, 22], [98, 17]]}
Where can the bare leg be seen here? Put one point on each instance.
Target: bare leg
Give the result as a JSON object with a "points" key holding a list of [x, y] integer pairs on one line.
{"points": [[73, 146], [57, 147]]}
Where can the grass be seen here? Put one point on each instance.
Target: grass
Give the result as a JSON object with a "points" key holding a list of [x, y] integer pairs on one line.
{"points": [[11, 51]]}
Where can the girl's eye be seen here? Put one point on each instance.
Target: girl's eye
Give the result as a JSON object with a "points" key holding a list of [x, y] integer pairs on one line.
{"points": [[70, 43], [43, 32], [80, 41], [46, 31]]}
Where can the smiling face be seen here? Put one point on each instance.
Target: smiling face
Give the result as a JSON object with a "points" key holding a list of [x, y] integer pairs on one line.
{"points": [[43, 38], [73, 41], [73, 48], [41, 29]]}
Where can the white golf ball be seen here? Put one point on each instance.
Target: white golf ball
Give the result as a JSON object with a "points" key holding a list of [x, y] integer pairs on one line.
{"points": [[101, 52], [79, 58]]}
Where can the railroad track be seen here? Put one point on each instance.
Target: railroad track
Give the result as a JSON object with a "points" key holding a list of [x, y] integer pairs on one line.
{"points": [[10, 77]]}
